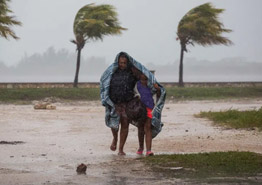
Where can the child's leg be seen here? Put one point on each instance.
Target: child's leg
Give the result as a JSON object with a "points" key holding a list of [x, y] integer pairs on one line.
{"points": [[148, 134], [140, 134]]}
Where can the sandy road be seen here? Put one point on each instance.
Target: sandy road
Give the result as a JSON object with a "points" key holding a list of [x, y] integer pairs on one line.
{"points": [[56, 141]]}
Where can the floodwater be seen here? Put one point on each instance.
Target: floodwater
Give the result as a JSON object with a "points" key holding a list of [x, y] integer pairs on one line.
{"points": [[49, 144]]}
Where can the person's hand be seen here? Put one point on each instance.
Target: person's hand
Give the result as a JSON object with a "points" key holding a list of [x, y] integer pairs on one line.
{"points": [[156, 86], [137, 96]]}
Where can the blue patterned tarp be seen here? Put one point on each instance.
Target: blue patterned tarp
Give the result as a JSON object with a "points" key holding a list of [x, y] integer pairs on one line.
{"points": [[111, 117]]}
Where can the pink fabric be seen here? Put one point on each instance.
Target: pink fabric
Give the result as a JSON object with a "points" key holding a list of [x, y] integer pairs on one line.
{"points": [[149, 112]]}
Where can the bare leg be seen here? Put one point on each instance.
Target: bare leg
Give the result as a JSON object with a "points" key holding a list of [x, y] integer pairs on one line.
{"points": [[148, 133], [140, 134], [114, 142], [123, 135]]}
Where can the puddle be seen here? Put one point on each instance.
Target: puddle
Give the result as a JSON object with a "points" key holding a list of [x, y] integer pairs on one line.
{"points": [[11, 142]]}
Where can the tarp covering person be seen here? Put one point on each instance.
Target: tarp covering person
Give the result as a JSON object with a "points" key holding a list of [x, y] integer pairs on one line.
{"points": [[115, 106]]}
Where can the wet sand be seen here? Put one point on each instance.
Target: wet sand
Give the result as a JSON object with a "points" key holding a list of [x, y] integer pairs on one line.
{"points": [[56, 141]]}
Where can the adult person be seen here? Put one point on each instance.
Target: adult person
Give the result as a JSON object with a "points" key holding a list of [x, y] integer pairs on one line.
{"points": [[116, 90], [121, 91]]}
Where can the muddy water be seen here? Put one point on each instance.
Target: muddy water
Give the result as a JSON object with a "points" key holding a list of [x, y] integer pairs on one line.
{"points": [[56, 141]]}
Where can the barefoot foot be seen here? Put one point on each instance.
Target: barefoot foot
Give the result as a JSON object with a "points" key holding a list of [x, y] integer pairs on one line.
{"points": [[121, 153], [113, 145]]}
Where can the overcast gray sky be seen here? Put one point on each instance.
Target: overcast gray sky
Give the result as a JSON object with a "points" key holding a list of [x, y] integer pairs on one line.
{"points": [[151, 34]]}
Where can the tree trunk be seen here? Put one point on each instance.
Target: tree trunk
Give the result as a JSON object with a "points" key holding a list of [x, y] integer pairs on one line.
{"points": [[77, 67], [181, 83]]}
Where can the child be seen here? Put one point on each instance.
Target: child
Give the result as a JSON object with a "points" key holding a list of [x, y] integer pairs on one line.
{"points": [[146, 98]]}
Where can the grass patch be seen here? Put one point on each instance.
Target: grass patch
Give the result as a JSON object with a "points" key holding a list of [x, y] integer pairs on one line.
{"points": [[187, 93], [206, 93], [235, 118], [29, 94], [215, 166]]}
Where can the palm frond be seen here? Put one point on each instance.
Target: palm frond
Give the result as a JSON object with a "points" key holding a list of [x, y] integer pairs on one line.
{"points": [[5, 32], [6, 21], [94, 22], [201, 25]]}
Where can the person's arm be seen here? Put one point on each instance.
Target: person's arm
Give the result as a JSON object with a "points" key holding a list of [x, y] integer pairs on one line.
{"points": [[158, 91]]}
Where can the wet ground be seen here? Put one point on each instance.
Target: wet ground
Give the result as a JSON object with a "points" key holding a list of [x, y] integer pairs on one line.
{"points": [[50, 144]]}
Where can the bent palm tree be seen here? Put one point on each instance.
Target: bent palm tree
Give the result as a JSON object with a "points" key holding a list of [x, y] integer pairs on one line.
{"points": [[200, 26], [92, 23], [6, 21]]}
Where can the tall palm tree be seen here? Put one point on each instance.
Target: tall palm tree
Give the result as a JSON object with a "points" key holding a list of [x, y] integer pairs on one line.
{"points": [[6, 21], [93, 22], [200, 26]]}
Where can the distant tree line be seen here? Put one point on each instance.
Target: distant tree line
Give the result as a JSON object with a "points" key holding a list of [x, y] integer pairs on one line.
{"points": [[61, 63], [53, 63]]}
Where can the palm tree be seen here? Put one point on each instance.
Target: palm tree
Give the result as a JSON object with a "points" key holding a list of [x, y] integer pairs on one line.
{"points": [[6, 21], [92, 23], [200, 26]]}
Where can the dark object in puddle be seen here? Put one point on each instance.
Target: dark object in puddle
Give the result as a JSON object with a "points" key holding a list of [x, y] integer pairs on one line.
{"points": [[81, 169], [11, 142]]}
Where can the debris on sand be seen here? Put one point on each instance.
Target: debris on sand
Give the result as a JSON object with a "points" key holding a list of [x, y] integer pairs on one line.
{"points": [[43, 105], [81, 169], [46, 103], [11, 142], [51, 107]]}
